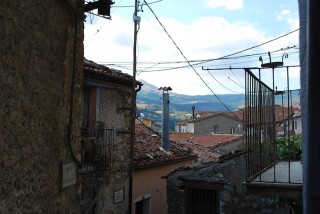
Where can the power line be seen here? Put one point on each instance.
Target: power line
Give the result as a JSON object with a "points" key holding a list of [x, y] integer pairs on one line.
{"points": [[197, 65], [236, 83], [146, 69], [101, 25], [221, 83], [205, 60], [186, 57]]}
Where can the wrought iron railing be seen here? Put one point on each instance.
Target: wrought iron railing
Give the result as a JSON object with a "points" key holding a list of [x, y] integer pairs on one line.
{"points": [[270, 158], [97, 147], [259, 119]]}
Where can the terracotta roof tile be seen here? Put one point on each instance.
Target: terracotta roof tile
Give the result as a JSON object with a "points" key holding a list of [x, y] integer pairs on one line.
{"points": [[147, 152], [97, 71], [237, 115], [179, 136], [213, 140]]}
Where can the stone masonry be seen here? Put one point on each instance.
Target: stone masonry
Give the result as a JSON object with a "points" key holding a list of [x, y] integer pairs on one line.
{"points": [[36, 67], [233, 196]]}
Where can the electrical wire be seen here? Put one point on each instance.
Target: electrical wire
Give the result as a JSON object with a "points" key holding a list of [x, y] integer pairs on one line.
{"points": [[236, 83], [222, 84], [157, 69], [101, 25], [186, 58], [133, 5]]}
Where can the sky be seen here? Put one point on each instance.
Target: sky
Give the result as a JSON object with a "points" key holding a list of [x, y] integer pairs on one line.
{"points": [[189, 36]]}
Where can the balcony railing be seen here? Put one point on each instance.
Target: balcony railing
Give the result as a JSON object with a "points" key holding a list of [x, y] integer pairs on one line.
{"points": [[97, 147], [269, 159]]}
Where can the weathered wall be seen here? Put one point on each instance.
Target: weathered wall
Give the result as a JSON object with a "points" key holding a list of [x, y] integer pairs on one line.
{"points": [[233, 196], [230, 147], [224, 123], [36, 49], [149, 181], [106, 184]]}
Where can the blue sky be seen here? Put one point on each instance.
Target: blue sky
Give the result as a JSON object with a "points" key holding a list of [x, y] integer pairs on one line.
{"points": [[202, 29]]}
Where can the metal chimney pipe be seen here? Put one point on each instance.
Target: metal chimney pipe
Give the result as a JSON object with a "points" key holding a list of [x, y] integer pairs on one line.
{"points": [[165, 122], [193, 108], [165, 118]]}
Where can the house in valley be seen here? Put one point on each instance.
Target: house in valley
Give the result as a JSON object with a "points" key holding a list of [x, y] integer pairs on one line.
{"points": [[216, 122]]}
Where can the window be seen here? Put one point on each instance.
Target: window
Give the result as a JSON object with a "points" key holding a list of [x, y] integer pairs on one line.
{"points": [[216, 129], [91, 103], [233, 130], [295, 125], [143, 205], [202, 201]]}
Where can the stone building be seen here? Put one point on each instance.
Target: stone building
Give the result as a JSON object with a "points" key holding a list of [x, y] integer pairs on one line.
{"points": [[217, 188], [106, 140], [41, 51]]}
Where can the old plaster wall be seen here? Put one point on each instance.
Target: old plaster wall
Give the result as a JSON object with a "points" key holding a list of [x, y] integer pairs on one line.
{"points": [[224, 123], [150, 181], [36, 50], [117, 179], [233, 196]]}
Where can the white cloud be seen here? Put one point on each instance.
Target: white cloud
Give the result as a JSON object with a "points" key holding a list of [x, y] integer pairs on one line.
{"points": [[206, 37], [228, 4], [282, 14], [289, 17]]}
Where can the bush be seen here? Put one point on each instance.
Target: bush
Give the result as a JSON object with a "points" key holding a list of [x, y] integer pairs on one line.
{"points": [[290, 150]]}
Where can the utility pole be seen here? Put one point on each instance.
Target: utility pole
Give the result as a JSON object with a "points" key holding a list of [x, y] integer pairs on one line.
{"points": [[136, 20]]}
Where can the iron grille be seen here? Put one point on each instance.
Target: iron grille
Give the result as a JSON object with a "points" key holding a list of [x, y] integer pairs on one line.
{"points": [[268, 159], [97, 148], [259, 119], [202, 201]]}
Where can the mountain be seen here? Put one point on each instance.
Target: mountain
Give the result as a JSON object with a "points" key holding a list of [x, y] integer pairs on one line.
{"points": [[149, 102]]}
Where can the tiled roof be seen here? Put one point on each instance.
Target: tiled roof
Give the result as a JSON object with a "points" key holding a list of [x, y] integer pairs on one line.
{"points": [[101, 72], [184, 146], [204, 154], [147, 152], [202, 145], [213, 140], [237, 115], [281, 113], [205, 113], [179, 136]]}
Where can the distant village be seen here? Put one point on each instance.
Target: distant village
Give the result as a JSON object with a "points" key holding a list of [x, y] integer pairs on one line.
{"points": [[73, 142]]}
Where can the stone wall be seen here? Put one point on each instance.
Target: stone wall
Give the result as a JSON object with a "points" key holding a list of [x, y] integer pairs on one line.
{"points": [[233, 196], [36, 65], [104, 186]]}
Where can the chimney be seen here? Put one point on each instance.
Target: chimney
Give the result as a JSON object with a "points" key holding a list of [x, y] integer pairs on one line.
{"points": [[193, 108], [165, 118]]}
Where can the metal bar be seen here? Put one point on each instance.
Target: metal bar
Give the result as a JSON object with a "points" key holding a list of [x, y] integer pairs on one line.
{"points": [[245, 123], [247, 68], [260, 123], [274, 125], [289, 115]]}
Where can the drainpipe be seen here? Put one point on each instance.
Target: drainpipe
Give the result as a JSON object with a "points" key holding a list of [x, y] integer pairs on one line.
{"points": [[70, 125]]}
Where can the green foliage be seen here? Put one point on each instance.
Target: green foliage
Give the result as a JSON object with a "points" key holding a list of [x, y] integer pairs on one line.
{"points": [[291, 149]]}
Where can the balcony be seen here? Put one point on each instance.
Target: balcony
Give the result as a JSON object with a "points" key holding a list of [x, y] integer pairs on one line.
{"points": [[273, 163], [97, 147]]}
